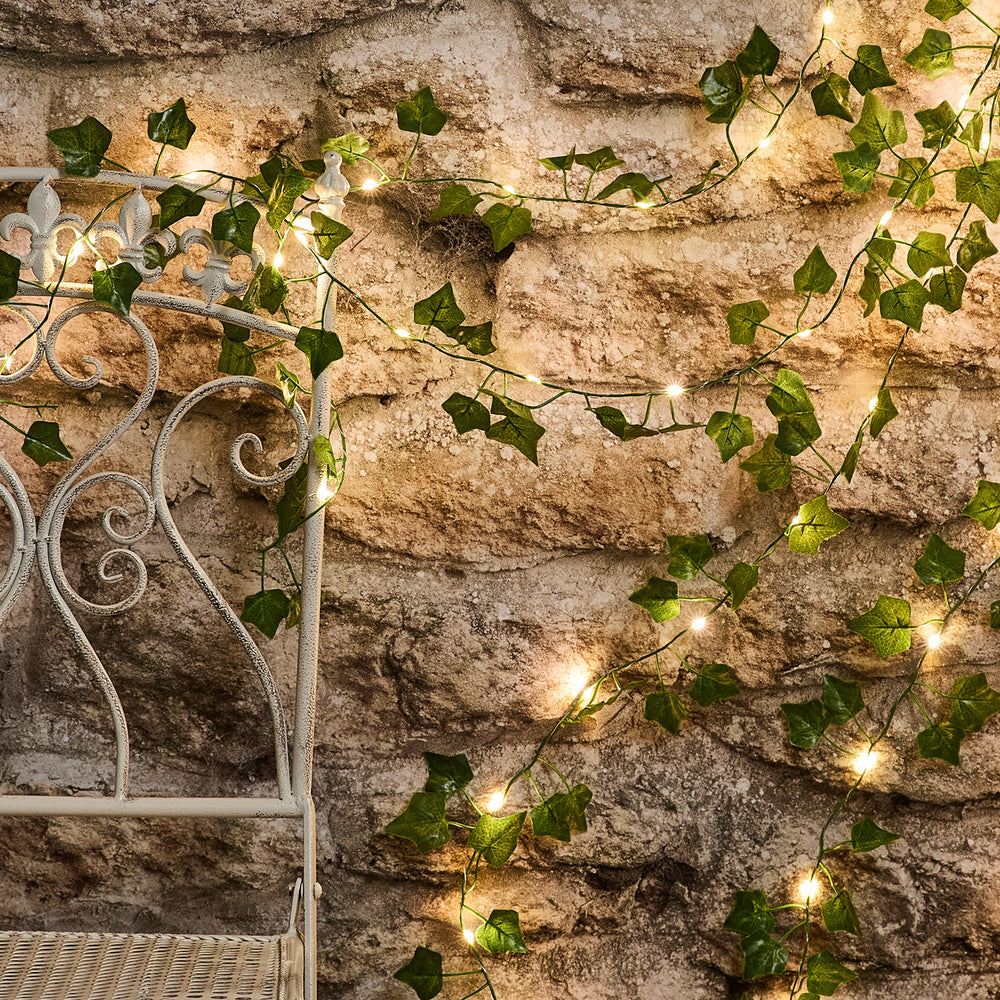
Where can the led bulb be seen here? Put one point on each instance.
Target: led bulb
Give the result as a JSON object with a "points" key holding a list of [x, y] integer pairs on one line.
{"points": [[808, 889], [496, 801], [279, 259], [884, 221], [533, 378], [865, 761], [797, 519], [324, 492], [872, 403], [469, 935], [764, 143], [302, 236], [5, 363], [587, 695], [698, 624], [370, 184], [643, 204], [804, 333], [828, 16], [400, 332], [964, 99], [509, 189], [675, 390], [933, 641], [984, 146]]}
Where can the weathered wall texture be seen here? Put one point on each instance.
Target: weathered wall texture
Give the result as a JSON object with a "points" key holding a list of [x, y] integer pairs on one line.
{"points": [[468, 594]]}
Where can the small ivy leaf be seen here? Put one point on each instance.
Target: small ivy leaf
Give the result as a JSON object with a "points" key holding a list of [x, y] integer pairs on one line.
{"points": [[940, 741], [869, 70], [688, 555], [740, 580], [871, 288], [730, 431], [946, 289], [321, 346], [762, 956], [928, 250], [639, 184], [666, 709], [881, 250], [328, 234], [710, 175], [420, 114], [506, 223], [288, 187], [423, 973], [325, 459], [456, 199], [985, 505], [10, 271], [476, 339], [266, 609], [885, 410], [973, 132], [743, 320], [42, 443], [841, 699], [750, 914], [495, 837], [172, 126], [772, 469], [807, 722], [294, 615], [790, 403], [518, 427], [612, 419], [944, 10], [760, 55], [913, 180], [832, 97], [439, 310], [940, 125], [940, 563], [350, 146], [559, 162], [933, 55], [722, 89], [973, 702], [502, 933], [235, 358], [289, 507], [446, 775], [885, 626], [976, 246], [878, 126], [995, 615], [858, 167], [268, 288], [824, 974], [116, 286], [815, 275], [83, 146], [466, 413], [714, 683], [839, 914], [867, 835], [288, 383], [176, 203], [851, 458], [600, 159], [905, 303], [423, 822], [813, 525], [561, 813], [980, 185], [236, 225], [659, 598]]}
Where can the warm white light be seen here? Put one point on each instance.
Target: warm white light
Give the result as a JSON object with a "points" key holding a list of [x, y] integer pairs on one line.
{"points": [[279, 259], [304, 225], [796, 519], [370, 184], [884, 221], [984, 146], [828, 16], [675, 390], [764, 143], [5, 363], [302, 236], [509, 189], [698, 624], [964, 99], [643, 204], [587, 695], [805, 333], [400, 332], [933, 641], [470, 936], [533, 378], [865, 761], [324, 492], [496, 801], [808, 889], [872, 403]]}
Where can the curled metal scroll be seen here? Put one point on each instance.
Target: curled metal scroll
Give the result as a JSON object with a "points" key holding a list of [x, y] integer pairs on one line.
{"points": [[15, 500], [221, 605], [8, 377]]}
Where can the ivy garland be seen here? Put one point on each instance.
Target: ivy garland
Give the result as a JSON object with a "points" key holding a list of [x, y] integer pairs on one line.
{"points": [[775, 938]]}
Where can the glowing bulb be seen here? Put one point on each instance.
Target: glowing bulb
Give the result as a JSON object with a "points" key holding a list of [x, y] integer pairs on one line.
{"points": [[533, 378], [370, 184], [804, 333], [509, 189], [764, 143], [587, 695], [872, 403], [933, 641], [808, 888], [496, 801], [698, 624], [304, 225], [5, 363], [302, 236], [828, 16], [964, 99], [279, 259], [643, 204], [675, 390], [984, 146], [797, 519], [400, 332], [865, 761], [324, 492], [884, 221], [469, 935]]}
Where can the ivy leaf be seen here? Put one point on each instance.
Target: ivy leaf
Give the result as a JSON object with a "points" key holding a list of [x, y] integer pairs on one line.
{"points": [[851, 458], [730, 431], [933, 55], [506, 223], [878, 126], [321, 346], [559, 162], [790, 403], [612, 419], [710, 175], [561, 813], [928, 250], [467, 414], [867, 835], [869, 70], [946, 289], [268, 288], [518, 427], [10, 271], [832, 97], [659, 598], [666, 709], [973, 702], [350, 146], [722, 89], [976, 246], [940, 125], [476, 339], [740, 580], [420, 114], [743, 320], [446, 775], [824, 974], [172, 126], [502, 933], [439, 310], [985, 505], [600, 159], [713, 683], [266, 609], [973, 132], [885, 410], [841, 699], [881, 249], [944, 10], [116, 286], [639, 184], [176, 203], [328, 233], [813, 525], [885, 626], [772, 469], [913, 180], [456, 199], [42, 443], [83, 146], [423, 973], [423, 822], [839, 914], [236, 225], [235, 358], [750, 914], [815, 275], [688, 555], [288, 383], [905, 303], [807, 722], [871, 288], [858, 166], [762, 956], [294, 615], [940, 741], [940, 563], [495, 837], [980, 185], [760, 55], [289, 507]]}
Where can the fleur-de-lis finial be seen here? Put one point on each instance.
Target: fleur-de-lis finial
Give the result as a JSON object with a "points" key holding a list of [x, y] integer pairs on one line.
{"points": [[44, 222]]}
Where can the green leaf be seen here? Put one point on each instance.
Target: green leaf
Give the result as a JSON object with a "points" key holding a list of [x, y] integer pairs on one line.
{"points": [[940, 125], [268, 288], [813, 525], [985, 505], [933, 55], [288, 187], [851, 458], [772, 469], [502, 933], [172, 126], [976, 246], [973, 132], [839, 914], [980, 185], [467, 414], [83, 146], [832, 97], [439, 310], [944, 10], [559, 162], [995, 615], [713, 683], [659, 598], [806, 722], [289, 507], [869, 70], [350, 146], [710, 175], [914, 181], [561, 813], [294, 615], [857, 167], [941, 741], [871, 288], [740, 580], [928, 250], [420, 114], [730, 431], [116, 286], [824, 974], [743, 320], [322, 347], [885, 410], [236, 225], [688, 555], [42, 443], [905, 303], [326, 460], [760, 55], [446, 775], [940, 563], [177, 203], [973, 702], [946, 289], [762, 956], [666, 709], [476, 339], [495, 837], [885, 626], [790, 403], [288, 383], [506, 223], [878, 126], [815, 275], [266, 609], [612, 419], [235, 358], [422, 821], [639, 184], [456, 199], [518, 428], [423, 973], [328, 233], [842, 700], [10, 271], [881, 249], [867, 835], [750, 914], [600, 159], [722, 89]]}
